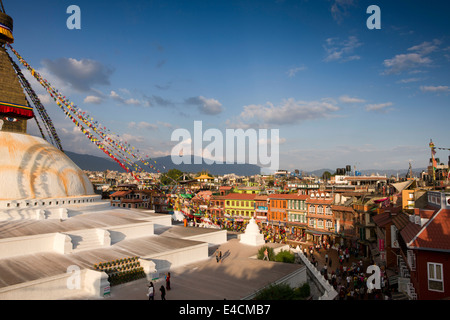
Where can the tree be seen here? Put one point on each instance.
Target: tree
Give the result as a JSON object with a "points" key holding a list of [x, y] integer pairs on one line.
{"points": [[285, 256], [326, 175], [171, 177]]}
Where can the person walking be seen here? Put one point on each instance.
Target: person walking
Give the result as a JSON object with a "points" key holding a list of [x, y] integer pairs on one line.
{"points": [[220, 256], [217, 255], [266, 255], [151, 292], [168, 281], [163, 293], [326, 257]]}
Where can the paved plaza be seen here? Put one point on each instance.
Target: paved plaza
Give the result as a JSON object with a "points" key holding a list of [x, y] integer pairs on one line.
{"points": [[237, 276]]}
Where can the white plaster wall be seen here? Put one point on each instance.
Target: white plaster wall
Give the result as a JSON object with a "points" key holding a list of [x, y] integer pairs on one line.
{"points": [[131, 231], [17, 246], [176, 258], [162, 220], [213, 238], [58, 287]]}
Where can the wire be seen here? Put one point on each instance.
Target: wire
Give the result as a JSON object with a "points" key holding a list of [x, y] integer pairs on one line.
{"points": [[3, 8]]}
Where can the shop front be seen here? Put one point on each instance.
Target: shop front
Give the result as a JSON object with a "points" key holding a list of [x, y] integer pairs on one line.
{"points": [[318, 237]]}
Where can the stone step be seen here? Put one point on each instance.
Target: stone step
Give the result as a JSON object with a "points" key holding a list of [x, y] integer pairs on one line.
{"points": [[85, 239], [399, 296]]}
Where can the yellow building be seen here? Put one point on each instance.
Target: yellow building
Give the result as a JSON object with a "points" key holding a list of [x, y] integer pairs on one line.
{"points": [[239, 205]]}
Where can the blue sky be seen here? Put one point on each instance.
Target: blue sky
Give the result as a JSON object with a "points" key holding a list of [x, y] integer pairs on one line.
{"points": [[339, 93]]}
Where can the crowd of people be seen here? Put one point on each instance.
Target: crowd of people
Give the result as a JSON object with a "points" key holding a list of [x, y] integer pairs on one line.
{"points": [[341, 265], [348, 274]]}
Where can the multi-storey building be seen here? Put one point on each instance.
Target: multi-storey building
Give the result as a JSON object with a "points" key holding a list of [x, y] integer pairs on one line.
{"points": [[261, 208], [160, 202], [216, 206], [128, 196], [297, 215], [239, 205], [320, 217], [424, 245], [277, 212]]}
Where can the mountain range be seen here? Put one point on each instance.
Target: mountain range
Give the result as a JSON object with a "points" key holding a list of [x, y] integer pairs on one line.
{"points": [[163, 164]]}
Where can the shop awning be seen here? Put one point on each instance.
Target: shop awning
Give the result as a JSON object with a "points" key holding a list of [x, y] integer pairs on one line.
{"points": [[318, 233]]}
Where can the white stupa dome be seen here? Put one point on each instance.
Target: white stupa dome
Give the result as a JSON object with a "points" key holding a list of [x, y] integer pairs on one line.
{"points": [[31, 168]]}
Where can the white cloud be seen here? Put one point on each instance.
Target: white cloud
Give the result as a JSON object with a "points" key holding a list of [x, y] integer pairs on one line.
{"points": [[92, 99], [289, 111], [131, 101], [293, 71], [380, 107], [45, 99], [408, 80], [402, 62], [339, 9], [206, 106], [426, 47], [347, 99], [435, 88], [80, 75], [126, 137], [409, 61], [342, 51], [142, 125]]}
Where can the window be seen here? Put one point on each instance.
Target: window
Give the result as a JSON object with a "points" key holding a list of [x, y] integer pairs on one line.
{"points": [[328, 224], [435, 277], [328, 210], [311, 222], [320, 209], [311, 209], [320, 223]]}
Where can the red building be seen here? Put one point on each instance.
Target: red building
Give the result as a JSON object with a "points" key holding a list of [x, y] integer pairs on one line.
{"points": [[130, 197], [428, 254], [216, 206], [320, 217], [344, 224]]}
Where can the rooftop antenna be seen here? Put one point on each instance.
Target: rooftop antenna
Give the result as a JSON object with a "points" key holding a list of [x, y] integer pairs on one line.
{"points": [[2, 7]]}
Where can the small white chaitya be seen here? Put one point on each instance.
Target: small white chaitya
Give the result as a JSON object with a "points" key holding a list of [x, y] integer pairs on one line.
{"points": [[252, 235]]}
